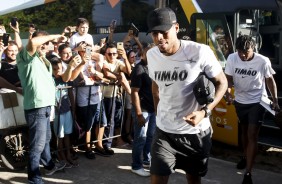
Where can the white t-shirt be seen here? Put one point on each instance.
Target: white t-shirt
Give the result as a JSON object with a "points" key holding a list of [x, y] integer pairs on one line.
{"points": [[108, 91], [175, 76], [249, 77], [76, 39], [83, 92]]}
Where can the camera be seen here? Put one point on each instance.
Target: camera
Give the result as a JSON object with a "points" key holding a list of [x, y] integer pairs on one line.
{"points": [[135, 30], [14, 21]]}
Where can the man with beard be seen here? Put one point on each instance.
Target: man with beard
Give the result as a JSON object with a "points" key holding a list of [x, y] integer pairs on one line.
{"points": [[8, 68]]}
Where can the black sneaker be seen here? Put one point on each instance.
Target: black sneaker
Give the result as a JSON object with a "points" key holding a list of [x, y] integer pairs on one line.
{"points": [[101, 152], [109, 150], [242, 163], [247, 178], [90, 154]]}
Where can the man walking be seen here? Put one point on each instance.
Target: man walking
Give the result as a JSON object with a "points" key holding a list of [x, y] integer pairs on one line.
{"points": [[183, 135]]}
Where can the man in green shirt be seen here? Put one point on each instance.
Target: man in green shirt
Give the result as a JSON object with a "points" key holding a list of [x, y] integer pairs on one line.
{"points": [[35, 73]]}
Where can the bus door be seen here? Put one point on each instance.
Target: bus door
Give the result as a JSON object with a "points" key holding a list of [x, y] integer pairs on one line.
{"points": [[214, 30]]}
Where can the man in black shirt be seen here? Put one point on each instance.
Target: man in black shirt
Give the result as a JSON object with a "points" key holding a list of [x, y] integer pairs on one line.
{"points": [[9, 71], [144, 117]]}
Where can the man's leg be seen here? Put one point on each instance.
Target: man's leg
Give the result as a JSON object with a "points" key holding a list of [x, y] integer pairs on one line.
{"points": [[253, 131], [39, 138], [149, 137], [156, 179], [191, 179]]}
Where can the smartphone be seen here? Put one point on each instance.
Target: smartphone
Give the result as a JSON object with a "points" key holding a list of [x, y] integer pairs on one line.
{"points": [[32, 26], [14, 21], [119, 45], [114, 23], [135, 30], [88, 50], [6, 38]]}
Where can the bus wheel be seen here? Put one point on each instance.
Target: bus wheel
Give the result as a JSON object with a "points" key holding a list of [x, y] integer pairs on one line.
{"points": [[14, 150]]}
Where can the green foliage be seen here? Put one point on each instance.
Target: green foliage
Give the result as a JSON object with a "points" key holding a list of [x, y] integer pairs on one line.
{"points": [[52, 15]]}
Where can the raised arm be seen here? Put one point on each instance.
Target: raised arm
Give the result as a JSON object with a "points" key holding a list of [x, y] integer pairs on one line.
{"points": [[36, 42], [17, 38]]}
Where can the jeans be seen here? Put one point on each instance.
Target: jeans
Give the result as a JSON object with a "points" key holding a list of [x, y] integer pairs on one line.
{"points": [[38, 121], [113, 109], [143, 137]]}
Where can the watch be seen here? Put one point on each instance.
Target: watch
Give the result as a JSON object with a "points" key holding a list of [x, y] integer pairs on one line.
{"points": [[207, 111]]}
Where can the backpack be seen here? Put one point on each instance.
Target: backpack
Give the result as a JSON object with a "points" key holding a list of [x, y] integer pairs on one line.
{"points": [[204, 89]]}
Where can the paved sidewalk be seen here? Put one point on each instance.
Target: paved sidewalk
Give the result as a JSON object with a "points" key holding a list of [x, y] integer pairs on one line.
{"points": [[116, 169]]}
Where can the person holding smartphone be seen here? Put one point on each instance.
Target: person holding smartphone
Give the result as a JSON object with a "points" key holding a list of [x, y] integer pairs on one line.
{"points": [[82, 36], [9, 70], [72, 64]]}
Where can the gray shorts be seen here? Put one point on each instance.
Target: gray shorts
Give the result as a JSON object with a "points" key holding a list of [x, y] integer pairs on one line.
{"points": [[249, 113], [189, 152]]}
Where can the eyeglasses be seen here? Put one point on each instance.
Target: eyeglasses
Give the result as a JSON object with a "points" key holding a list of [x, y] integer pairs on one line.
{"points": [[127, 45], [111, 54]]}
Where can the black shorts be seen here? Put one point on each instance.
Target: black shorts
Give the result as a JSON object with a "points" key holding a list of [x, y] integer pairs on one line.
{"points": [[86, 116], [189, 152], [249, 113]]}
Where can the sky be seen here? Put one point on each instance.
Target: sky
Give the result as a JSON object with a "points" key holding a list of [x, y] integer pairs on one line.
{"points": [[7, 4]]}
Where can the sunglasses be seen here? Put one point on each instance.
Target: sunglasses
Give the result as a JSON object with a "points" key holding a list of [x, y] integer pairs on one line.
{"points": [[111, 54], [127, 45]]}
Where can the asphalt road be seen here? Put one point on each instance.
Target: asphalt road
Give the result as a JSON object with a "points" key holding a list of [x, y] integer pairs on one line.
{"points": [[116, 169]]}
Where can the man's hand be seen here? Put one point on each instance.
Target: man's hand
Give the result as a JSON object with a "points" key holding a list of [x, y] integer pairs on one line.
{"points": [[195, 117], [141, 120], [228, 98], [75, 61], [16, 28]]}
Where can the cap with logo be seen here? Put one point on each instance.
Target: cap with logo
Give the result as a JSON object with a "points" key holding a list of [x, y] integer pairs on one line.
{"points": [[161, 19]]}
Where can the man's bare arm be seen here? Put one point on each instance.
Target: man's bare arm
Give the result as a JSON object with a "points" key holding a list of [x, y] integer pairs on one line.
{"points": [[155, 92]]}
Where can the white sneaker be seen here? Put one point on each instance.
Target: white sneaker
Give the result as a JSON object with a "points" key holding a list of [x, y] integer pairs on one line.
{"points": [[146, 166], [141, 172], [58, 166]]}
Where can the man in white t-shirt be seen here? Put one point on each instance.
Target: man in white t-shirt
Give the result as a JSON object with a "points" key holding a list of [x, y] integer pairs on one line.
{"points": [[183, 135], [248, 72]]}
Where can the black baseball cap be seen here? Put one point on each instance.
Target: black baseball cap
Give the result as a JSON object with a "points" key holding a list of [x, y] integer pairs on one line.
{"points": [[161, 19]]}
